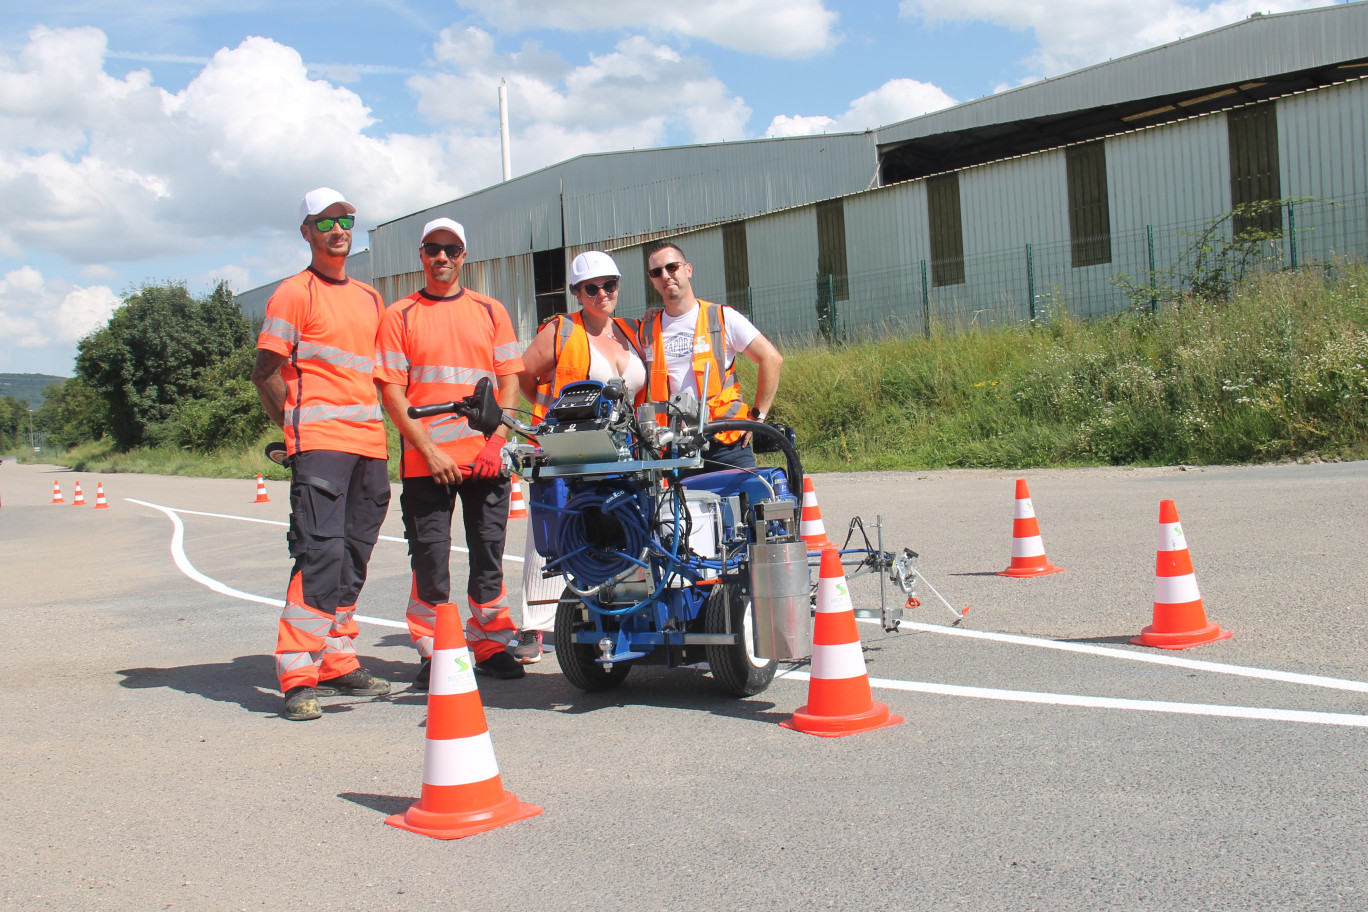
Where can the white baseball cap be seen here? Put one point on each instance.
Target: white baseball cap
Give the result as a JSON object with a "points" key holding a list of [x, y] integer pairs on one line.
{"points": [[590, 264], [438, 224], [315, 201]]}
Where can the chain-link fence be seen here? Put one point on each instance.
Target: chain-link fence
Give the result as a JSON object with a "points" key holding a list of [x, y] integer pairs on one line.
{"points": [[1142, 268]]}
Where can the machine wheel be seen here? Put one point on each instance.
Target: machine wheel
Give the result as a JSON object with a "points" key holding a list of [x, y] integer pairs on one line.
{"points": [[577, 660], [737, 668]]}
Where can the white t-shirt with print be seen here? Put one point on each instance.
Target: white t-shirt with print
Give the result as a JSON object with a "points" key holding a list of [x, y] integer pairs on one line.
{"points": [[677, 336]]}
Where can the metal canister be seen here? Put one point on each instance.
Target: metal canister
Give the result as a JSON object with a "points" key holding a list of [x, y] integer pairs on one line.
{"points": [[779, 600]]}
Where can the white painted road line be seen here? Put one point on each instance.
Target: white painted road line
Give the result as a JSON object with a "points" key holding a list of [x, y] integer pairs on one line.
{"points": [[983, 693]]}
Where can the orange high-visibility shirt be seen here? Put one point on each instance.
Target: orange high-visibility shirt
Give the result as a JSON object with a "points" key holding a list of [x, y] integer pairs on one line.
{"points": [[326, 330], [439, 348]]}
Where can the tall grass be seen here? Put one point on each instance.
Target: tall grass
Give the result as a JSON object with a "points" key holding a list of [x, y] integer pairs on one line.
{"points": [[1279, 369]]}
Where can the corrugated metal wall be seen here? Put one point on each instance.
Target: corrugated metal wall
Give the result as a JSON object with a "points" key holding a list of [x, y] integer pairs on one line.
{"points": [[1323, 149]]}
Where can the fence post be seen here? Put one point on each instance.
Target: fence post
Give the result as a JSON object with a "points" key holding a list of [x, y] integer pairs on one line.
{"points": [[1292, 233], [1030, 281], [1154, 298], [926, 304]]}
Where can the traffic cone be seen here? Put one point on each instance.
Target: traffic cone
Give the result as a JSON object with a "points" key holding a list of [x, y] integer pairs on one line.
{"points": [[1028, 551], [812, 530], [78, 499], [462, 791], [1180, 621], [840, 701], [56, 493], [517, 507], [261, 491], [100, 502]]}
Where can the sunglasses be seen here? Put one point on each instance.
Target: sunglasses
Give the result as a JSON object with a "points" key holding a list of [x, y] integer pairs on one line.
{"points": [[671, 268], [451, 250], [592, 290], [345, 222]]}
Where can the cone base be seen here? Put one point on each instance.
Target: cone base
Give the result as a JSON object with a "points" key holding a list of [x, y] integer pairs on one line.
{"points": [[817, 546], [1185, 640], [877, 716], [521, 514], [458, 824], [1022, 572], [262, 500]]}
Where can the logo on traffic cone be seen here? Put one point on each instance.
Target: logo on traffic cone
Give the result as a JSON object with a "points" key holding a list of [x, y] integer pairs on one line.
{"points": [[261, 491], [1028, 551], [812, 530], [840, 701], [462, 791], [517, 507], [78, 499], [56, 493], [100, 502], [1180, 621]]}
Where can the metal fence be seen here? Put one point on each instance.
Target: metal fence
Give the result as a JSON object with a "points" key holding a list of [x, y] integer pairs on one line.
{"points": [[1146, 267]]}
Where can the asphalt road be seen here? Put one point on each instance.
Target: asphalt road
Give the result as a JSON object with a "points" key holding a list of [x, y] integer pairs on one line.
{"points": [[1044, 763]]}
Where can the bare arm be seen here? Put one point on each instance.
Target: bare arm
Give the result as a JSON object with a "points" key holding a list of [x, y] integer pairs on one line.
{"points": [[769, 362], [270, 385], [395, 399], [538, 360]]}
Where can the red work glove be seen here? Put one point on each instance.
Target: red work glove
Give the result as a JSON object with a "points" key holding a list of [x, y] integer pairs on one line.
{"points": [[489, 463]]}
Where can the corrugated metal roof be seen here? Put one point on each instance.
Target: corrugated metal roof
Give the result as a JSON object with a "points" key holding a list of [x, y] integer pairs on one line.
{"points": [[1257, 47]]}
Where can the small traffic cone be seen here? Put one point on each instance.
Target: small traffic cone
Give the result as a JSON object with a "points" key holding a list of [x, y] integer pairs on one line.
{"points": [[100, 502], [1180, 621], [812, 530], [261, 491], [56, 493], [78, 499], [462, 791], [1028, 551], [517, 507], [840, 701]]}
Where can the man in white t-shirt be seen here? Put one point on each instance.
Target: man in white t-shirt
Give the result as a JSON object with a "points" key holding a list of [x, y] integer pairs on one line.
{"points": [[691, 340]]}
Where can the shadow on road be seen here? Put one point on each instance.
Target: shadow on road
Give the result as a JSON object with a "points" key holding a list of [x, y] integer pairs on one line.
{"points": [[239, 681]]}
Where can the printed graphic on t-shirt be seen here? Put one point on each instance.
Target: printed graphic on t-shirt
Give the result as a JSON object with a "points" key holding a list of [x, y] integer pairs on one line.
{"points": [[678, 345]]}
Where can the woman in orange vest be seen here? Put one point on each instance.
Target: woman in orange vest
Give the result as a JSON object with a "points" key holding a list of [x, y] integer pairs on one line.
{"points": [[589, 345]]}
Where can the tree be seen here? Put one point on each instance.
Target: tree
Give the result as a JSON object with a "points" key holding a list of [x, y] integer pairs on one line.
{"points": [[157, 344], [73, 412]]}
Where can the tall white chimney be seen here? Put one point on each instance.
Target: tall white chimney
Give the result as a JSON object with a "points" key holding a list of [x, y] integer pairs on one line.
{"points": [[503, 129]]}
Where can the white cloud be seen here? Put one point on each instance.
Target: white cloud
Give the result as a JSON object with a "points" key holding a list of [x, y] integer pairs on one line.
{"points": [[1078, 33], [772, 28], [629, 97], [895, 100], [38, 313]]}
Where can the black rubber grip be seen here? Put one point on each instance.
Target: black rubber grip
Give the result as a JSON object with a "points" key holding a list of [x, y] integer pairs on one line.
{"points": [[427, 411]]}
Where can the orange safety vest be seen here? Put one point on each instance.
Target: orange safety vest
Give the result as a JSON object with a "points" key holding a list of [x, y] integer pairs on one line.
{"points": [[710, 347], [326, 330], [571, 347]]}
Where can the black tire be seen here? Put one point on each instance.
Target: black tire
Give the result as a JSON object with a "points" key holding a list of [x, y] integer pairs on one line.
{"points": [[736, 668], [577, 660]]}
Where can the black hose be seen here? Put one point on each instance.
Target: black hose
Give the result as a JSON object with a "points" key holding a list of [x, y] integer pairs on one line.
{"points": [[795, 465]]}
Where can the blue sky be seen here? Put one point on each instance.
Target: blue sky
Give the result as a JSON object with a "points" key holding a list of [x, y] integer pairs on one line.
{"points": [[172, 139]]}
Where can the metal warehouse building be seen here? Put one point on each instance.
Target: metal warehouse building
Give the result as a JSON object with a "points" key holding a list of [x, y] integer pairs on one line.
{"points": [[988, 211]]}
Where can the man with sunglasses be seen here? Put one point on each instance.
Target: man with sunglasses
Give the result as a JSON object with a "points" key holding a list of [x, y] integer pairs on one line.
{"points": [[692, 339], [433, 347], [313, 374]]}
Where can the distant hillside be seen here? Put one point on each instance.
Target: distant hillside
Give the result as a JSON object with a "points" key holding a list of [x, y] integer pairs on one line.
{"points": [[27, 388]]}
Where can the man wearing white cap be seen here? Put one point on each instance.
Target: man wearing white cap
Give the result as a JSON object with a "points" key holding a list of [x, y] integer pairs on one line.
{"points": [[433, 347], [313, 374]]}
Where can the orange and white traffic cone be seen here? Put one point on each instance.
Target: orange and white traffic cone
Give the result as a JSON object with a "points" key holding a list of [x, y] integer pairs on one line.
{"points": [[56, 493], [517, 507], [1028, 551], [462, 791], [261, 491], [812, 530], [840, 701], [1180, 620], [78, 499], [100, 502]]}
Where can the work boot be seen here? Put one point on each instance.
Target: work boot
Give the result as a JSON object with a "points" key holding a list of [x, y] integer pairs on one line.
{"points": [[358, 683], [529, 648], [500, 665], [420, 680], [301, 703]]}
